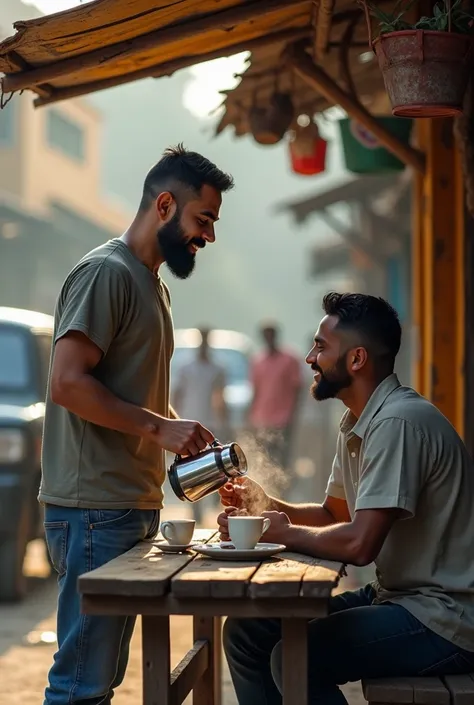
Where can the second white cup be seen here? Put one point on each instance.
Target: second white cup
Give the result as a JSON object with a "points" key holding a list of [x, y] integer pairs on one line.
{"points": [[178, 532], [245, 532]]}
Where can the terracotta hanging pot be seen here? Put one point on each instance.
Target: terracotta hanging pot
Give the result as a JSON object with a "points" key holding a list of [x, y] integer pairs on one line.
{"points": [[269, 123], [307, 150], [425, 72]]}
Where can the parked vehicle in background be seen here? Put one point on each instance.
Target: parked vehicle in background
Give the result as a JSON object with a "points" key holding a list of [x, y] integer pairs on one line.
{"points": [[232, 351], [25, 347]]}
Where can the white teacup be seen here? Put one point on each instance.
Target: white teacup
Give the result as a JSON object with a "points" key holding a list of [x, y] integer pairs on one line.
{"points": [[178, 532], [245, 531]]}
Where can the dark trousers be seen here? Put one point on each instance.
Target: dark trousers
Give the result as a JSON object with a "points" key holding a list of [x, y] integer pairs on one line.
{"points": [[357, 640]]}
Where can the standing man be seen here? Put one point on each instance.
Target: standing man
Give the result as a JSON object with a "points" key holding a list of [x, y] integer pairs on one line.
{"points": [[277, 380], [400, 495], [199, 394], [108, 419]]}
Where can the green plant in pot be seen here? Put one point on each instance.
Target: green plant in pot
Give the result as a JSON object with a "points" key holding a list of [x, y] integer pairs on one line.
{"points": [[425, 65]]}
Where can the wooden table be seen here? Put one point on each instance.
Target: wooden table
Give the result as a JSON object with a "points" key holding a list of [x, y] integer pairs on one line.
{"points": [[145, 581]]}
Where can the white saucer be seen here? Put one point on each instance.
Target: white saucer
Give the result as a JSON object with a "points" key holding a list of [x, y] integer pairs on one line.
{"points": [[173, 547], [225, 551]]}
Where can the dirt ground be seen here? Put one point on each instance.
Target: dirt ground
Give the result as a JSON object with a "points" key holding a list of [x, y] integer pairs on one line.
{"points": [[27, 642]]}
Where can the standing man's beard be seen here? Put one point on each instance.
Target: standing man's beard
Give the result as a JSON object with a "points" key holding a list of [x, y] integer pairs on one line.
{"points": [[174, 248], [332, 381]]}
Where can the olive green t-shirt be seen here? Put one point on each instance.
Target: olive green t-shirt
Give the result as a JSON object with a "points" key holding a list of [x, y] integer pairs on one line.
{"points": [[119, 304], [403, 453]]}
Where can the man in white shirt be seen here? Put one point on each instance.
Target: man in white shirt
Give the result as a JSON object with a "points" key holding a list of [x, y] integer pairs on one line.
{"points": [[199, 393]]}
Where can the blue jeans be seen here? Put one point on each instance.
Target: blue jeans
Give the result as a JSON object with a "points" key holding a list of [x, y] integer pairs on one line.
{"points": [[357, 640], [92, 650]]}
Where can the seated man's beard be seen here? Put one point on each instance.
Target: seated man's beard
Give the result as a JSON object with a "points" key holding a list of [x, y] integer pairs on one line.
{"points": [[174, 248], [332, 381]]}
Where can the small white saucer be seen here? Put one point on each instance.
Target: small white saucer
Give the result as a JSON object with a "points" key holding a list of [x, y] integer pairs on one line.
{"points": [[173, 547], [225, 551]]}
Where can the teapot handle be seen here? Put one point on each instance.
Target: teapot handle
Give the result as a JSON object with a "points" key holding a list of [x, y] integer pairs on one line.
{"points": [[215, 444]]}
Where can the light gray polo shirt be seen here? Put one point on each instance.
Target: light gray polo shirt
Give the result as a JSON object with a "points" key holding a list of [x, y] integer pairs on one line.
{"points": [[403, 453]]}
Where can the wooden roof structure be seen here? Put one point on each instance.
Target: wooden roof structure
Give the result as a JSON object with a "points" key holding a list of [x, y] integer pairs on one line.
{"points": [[336, 40], [105, 43], [109, 42], [314, 49]]}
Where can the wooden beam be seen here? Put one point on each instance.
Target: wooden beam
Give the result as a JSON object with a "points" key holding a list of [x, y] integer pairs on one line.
{"points": [[323, 27], [21, 65], [315, 76], [224, 20], [352, 238], [169, 67], [208, 690], [156, 660], [294, 656], [189, 670], [438, 271]]}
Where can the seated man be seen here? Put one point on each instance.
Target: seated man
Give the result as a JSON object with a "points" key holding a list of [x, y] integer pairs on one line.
{"points": [[401, 494]]}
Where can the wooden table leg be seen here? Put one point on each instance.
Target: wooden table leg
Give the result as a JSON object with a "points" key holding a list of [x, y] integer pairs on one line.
{"points": [[208, 690], [295, 661], [156, 660]]}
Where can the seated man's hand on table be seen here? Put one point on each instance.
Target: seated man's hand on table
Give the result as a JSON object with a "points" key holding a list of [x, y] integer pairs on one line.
{"points": [[276, 533], [279, 528], [244, 493], [223, 521]]}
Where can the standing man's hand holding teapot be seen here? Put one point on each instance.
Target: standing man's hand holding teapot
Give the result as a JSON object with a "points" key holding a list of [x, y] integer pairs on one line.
{"points": [[180, 436]]}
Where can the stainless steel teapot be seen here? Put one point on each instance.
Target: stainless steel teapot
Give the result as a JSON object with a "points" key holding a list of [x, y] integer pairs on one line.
{"points": [[196, 476]]}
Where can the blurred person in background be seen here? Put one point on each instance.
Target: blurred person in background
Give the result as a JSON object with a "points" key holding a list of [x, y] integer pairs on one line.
{"points": [[199, 394], [277, 379], [108, 417]]}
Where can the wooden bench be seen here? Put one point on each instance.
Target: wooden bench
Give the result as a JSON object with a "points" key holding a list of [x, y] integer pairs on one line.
{"points": [[448, 690]]}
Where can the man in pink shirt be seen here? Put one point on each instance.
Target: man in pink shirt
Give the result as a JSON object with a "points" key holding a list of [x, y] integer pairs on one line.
{"points": [[276, 378]]}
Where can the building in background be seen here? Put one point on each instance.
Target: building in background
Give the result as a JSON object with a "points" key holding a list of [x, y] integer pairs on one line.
{"points": [[52, 209], [371, 250]]}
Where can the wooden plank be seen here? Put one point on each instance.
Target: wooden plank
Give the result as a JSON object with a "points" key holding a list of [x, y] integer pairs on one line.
{"points": [[164, 36], [208, 690], [144, 570], [320, 580], [430, 691], [189, 670], [280, 577], [388, 690], [167, 68], [206, 607], [295, 661], [461, 689], [156, 660], [425, 691], [205, 577], [295, 575]]}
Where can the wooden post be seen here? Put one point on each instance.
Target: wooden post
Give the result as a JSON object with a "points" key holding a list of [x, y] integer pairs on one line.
{"points": [[156, 660], [295, 661], [208, 690], [469, 334], [438, 271]]}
